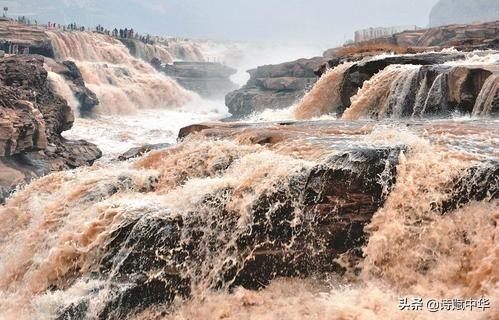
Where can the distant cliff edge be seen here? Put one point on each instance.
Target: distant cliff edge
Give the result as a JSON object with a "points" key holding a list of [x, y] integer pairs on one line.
{"points": [[464, 11]]}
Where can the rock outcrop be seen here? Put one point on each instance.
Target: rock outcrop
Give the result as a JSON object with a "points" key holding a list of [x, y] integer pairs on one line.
{"points": [[297, 226], [32, 120], [463, 11], [333, 222], [274, 87], [69, 71], [139, 151], [31, 37], [442, 88], [208, 79]]}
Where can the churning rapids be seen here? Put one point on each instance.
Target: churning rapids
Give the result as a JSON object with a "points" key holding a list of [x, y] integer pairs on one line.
{"points": [[269, 219]]}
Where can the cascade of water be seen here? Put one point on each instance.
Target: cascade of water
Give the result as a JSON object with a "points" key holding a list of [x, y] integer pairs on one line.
{"points": [[436, 101], [325, 96], [488, 98], [122, 83], [403, 93], [147, 52], [373, 98], [62, 88]]}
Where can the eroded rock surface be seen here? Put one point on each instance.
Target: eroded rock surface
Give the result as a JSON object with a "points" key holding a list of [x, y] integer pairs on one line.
{"points": [[274, 87], [32, 120]]}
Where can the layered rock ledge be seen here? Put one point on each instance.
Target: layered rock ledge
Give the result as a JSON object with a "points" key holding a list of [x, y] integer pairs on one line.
{"points": [[274, 87], [32, 120]]}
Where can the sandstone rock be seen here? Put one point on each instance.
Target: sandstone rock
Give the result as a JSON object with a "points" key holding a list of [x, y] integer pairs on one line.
{"points": [[29, 36], [274, 87], [32, 120], [139, 151]]}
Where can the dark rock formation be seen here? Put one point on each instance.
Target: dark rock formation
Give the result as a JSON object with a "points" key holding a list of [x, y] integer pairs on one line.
{"points": [[296, 227], [208, 79], [32, 120], [463, 11], [274, 87], [338, 198], [69, 71]]}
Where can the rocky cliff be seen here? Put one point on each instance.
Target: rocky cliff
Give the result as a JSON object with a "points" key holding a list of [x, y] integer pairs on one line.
{"points": [[463, 11], [274, 86], [32, 118], [32, 37], [464, 37]]}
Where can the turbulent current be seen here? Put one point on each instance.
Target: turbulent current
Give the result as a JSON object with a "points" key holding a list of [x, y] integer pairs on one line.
{"points": [[325, 219], [123, 83]]}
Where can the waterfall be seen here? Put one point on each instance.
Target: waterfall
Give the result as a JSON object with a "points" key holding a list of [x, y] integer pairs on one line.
{"points": [[147, 52], [487, 101], [62, 88], [208, 207], [123, 83], [325, 96], [383, 91]]}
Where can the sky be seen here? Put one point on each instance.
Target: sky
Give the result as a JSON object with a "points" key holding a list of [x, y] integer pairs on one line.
{"points": [[296, 21]]}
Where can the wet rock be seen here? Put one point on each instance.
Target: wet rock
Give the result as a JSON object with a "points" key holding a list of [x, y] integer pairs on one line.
{"points": [[153, 257], [22, 128], [185, 131], [88, 100], [33, 118], [475, 184], [208, 79], [139, 151], [274, 87]]}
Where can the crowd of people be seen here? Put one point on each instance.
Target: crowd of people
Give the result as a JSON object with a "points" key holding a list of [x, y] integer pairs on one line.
{"points": [[126, 33]]}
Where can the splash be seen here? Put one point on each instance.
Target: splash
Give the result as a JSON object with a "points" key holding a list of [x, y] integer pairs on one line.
{"points": [[123, 84], [58, 229]]}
